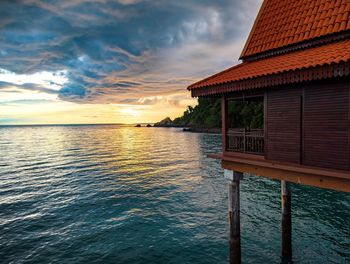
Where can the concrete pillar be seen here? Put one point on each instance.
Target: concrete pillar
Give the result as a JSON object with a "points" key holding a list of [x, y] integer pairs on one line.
{"points": [[234, 214], [286, 220]]}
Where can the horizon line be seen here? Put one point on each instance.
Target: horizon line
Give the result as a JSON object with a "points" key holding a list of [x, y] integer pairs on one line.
{"points": [[76, 124]]}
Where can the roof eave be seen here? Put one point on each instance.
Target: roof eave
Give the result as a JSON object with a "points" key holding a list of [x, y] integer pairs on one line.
{"points": [[327, 71]]}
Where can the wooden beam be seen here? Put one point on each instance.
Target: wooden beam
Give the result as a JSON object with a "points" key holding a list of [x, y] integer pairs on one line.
{"points": [[349, 124], [301, 175], [224, 122], [245, 94], [266, 124]]}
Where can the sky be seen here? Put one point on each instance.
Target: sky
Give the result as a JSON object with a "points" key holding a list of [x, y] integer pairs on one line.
{"points": [[113, 61]]}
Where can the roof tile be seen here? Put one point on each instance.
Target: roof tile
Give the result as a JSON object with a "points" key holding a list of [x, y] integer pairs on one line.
{"points": [[343, 25], [280, 21], [318, 56]]}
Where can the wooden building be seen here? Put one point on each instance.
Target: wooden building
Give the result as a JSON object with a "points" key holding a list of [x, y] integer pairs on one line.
{"points": [[296, 61]]}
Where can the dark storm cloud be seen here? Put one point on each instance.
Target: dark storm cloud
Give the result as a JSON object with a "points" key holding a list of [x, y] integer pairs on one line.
{"points": [[120, 51]]}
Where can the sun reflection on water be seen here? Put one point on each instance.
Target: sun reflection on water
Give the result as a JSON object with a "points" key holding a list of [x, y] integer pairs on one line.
{"points": [[145, 195]]}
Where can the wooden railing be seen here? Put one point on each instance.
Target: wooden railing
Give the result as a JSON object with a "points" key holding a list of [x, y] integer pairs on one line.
{"points": [[242, 140]]}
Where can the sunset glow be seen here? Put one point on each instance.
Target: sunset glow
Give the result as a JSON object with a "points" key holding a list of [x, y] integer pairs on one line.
{"points": [[112, 61]]}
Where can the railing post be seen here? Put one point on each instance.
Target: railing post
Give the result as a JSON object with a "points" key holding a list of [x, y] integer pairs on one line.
{"points": [[244, 140]]}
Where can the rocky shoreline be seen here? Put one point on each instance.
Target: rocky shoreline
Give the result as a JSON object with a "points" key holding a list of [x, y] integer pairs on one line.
{"points": [[202, 130], [167, 122]]}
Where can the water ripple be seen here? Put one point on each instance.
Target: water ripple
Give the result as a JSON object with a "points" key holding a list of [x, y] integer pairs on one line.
{"points": [[109, 194]]}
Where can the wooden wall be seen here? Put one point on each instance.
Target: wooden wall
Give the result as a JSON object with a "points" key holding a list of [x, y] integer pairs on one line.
{"points": [[283, 120], [309, 124], [326, 126]]}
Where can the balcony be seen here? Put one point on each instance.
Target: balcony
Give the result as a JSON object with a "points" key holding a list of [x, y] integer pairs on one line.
{"points": [[245, 141]]}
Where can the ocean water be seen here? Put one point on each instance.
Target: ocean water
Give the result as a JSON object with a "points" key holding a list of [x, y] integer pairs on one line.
{"points": [[111, 194]]}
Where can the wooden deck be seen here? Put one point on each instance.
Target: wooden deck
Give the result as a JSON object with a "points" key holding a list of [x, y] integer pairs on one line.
{"points": [[338, 180]]}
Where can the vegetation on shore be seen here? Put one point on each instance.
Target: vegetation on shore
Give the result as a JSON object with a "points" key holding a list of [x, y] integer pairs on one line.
{"points": [[207, 114]]}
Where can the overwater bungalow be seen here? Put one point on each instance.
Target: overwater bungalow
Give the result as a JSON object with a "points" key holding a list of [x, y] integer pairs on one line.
{"points": [[296, 63]]}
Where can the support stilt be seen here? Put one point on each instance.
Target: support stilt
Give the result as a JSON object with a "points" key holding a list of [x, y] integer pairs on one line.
{"points": [[286, 220], [234, 215]]}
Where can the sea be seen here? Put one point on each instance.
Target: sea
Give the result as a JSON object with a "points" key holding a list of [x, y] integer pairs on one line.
{"points": [[119, 194]]}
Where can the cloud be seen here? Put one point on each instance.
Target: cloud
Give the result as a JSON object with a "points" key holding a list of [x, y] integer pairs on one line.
{"points": [[129, 2], [120, 51], [6, 86]]}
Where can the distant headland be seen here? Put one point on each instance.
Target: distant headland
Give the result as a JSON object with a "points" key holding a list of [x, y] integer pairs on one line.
{"points": [[205, 117]]}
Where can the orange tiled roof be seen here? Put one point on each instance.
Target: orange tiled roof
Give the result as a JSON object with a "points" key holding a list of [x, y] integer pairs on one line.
{"points": [[282, 23], [318, 56]]}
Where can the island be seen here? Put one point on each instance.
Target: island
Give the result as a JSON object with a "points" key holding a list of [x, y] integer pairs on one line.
{"points": [[205, 117]]}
